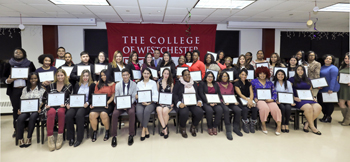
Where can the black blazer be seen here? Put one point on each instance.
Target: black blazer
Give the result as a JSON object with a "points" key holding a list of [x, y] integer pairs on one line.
{"points": [[7, 73], [111, 70], [91, 91], [131, 67], [203, 89], [179, 89], [172, 69], [76, 78], [238, 69]]}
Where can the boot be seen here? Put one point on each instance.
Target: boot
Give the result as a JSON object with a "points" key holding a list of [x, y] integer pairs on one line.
{"points": [[228, 132], [193, 131], [51, 143], [252, 125], [245, 126], [59, 141], [343, 112], [328, 119], [346, 119], [183, 132]]}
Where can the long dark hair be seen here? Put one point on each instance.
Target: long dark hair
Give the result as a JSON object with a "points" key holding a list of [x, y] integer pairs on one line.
{"points": [[152, 61], [131, 55], [29, 84], [221, 75], [170, 78], [188, 52], [162, 64], [102, 83], [284, 78], [302, 56], [206, 75], [278, 62], [211, 61], [343, 64], [218, 56], [105, 62], [238, 65], [147, 69], [303, 78], [307, 56]]}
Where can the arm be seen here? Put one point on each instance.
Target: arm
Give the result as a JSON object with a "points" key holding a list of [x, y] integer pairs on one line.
{"points": [[317, 70], [273, 91], [201, 92], [222, 67], [239, 93], [176, 98], [154, 92], [333, 76], [202, 68]]}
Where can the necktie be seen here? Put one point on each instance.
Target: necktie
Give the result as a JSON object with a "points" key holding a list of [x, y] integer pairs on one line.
{"points": [[126, 89], [155, 62]]}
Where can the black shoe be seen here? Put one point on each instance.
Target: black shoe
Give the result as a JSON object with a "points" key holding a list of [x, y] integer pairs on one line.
{"points": [[147, 136], [106, 135], [143, 138], [322, 119], [114, 141], [287, 130], [94, 136], [328, 119], [318, 133], [193, 131], [167, 135], [71, 142], [245, 127], [307, 129], [238, 132], [14, 134], [131, 140], [283, 130], [77, 143]]}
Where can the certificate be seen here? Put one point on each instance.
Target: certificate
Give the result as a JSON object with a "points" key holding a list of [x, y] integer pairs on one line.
{"points": [[250, 74], [196, 75], [99, 68], [285, 98], [99, 100], [214, 55], [231, 99], [55, 99], [215, 73], [263, 94], [179, 70], [29, 105], [245, 102], [213, 98], [306, 70], [77, 100], [118, 76], [231, 75], [144, 96], [235, 60], [46, 76], [136, 74], [344, 78], [123, 102], [162, 68], [189, 99], [330, 98], [189, 64], [67, 69], [154, 73], [275, 69], [59, 62], [291, 74], [19, 73], [80, 69], [319, 82], [265, 64], [305, 94], [165, 98]]}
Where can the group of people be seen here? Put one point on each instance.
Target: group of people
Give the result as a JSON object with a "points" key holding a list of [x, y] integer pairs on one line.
{"points": [[245, 110]]}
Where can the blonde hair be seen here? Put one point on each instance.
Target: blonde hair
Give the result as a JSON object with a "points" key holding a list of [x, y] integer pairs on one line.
{"points": [[82, 75], [114, 62], [65, 81]]}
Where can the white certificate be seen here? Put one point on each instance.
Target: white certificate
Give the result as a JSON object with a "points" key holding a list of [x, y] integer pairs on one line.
{"points": [[55, 99], [80, 69], [19, 73], [231, 74], [330, 98], [285, 98], [99, 68], [99, 100], [275, 69], [189, 64], [245, 102], [165, 98], [265, 64], [154, 73], [29, 105], [213, 98], [179, 70], [305, 94], [46, 76], [215, 73], [67, 69], [189, 99], [59, 62], [250, 74], [319, 82], [136, 74], [291, 74], [306, 70], [162, 68], [263, 94], [118, 76], [344, 78], [144, 96], [123, 102], [196, 75], [77, 100], [231, 99], [235, 60], [214, 55]]}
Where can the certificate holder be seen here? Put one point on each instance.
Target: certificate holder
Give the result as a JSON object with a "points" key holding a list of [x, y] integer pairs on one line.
{"points": [[154, 72], [275, 69], [118, 76], [77, 100], [136, 74], [144, 96], [165, 98], [29, 105], [344, 78], [123, 102], [291, 74], [67, 69], [250, 74], [231, 99], [196, 75], [245, 102], [55, 99], [19, 72], [59, 62], [162, 68], [213, 98], [189, 64], [189, 99], [235, 60], [263, 94], [265, 64], [319, 82], [99, 100], [80, 69], [99, 67], [215, 73], [46, 76], [330, 98], [179, 70], [231, 74], [285, 98], [305, 94]]}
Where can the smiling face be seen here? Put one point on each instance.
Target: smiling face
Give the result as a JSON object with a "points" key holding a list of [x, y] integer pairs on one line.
{"points": [[101, 57], [280, 76], [242, 60], [86, 77], [126, 76], [103, 76], [33, 80], [243, 75], [18, 55], [165, 74], [300, 71], [156, 54], [47, 62], [166, 57], [149, 59], [328, 60], [311, 57], [293, 61], [187, 76], [224, 77], [260, 55], [85, 58], [61, 52], [262, 76], [146, 74], [134, 57], [60, 77], [273, 58], [299, 55], [181, 60], [188, 56], [221, 55], [195, 56], [210, 78], [67, 58], [208, 59], [346, 60], [119, 57]]}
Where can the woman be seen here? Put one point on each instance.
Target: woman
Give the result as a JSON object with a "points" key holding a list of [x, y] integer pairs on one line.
{"points": [[183, 86], [241, 63], [149, 63], [103, 87], [181, 63], [293, 64], [244, 90], [68, 59], [344, 92], [188, 57], [220, 58], [100, 60], [59, 85], [311, 108], [116, 65], [210, 64], [85, 87], [165, 85], [209, 86], [229, 65], [248, 57], [283, 85], [144, 109], [197, 64], [46, 60], [260, 58], [314, 68], [275, 61], [31, 91], [330, 72], [133, 64], [167, 61], [301, 57], [227, 88], [269, 105]]}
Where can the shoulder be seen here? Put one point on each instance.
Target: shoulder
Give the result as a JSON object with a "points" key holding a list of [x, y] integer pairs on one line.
{"points": [[291, 79]]}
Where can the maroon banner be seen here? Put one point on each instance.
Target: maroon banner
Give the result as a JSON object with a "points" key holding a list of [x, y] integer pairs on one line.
{"points": [[144, 38]]}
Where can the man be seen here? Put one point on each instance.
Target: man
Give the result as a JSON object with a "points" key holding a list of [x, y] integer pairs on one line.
{"points": [[156, 57], [61, 51], [84, 57], [68, 59], [248, 57], [15, 86], [125, 87]]}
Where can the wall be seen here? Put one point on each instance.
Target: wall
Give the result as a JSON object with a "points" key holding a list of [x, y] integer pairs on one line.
{"points": [[32, 42]]}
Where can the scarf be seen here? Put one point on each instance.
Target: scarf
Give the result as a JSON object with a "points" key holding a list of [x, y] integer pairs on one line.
{"points": [[224, 83], [186, 84], [24, 63]]}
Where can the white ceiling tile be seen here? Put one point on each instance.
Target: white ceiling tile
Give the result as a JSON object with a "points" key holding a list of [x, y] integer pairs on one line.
{"points": [[5, 9], [36, 2], [152, 11], [47, 7], [196, 18], [101, 9], [127, 10], [152, 18], [74, 8], [263, 5], [10, 2], [201, 11], [224, 12], [270, 13], [236, 18], [123, 2], [131, 17], [22, 8], [181, 3], [176, 11], [152, 3], [309, 6], [174, 17]]}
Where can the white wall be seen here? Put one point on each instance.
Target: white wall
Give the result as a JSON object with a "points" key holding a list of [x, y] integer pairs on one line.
{"points": [[32, 42]]}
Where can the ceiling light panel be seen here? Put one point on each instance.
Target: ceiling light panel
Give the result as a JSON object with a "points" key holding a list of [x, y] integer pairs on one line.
{"points": [[223, 4], [339, 7], [80, 2]]}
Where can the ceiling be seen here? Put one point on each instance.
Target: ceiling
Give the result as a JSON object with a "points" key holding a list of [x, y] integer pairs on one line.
{"points": [[176, 11]]}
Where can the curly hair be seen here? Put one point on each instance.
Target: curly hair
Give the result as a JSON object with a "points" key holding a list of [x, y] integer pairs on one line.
{"points": [[264, 70], [42, 57]]}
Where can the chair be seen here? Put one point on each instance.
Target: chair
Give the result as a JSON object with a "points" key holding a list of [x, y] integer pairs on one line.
{"points": [[37, 125], [43, 120]]}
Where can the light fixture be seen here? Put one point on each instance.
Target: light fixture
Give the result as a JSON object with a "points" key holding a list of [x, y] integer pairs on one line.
{"points": [[81, 2], [21, 26], [316, 7], [309, 22], [232, 4], [339, 7]]}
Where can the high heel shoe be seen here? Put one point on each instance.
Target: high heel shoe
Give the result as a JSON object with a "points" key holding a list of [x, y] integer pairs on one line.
{"points": [[28, 142], [106, 135], [94, 136], [21, 143], [307, 129], [166, 135]]}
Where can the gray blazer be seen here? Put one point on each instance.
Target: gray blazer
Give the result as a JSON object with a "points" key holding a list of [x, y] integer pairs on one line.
{"points": [[132, 90]]}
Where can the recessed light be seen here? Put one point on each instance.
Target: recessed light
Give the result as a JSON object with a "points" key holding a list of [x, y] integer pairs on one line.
{"points": [[339, 7], [223, 4], [159, 11], [80, 2]]}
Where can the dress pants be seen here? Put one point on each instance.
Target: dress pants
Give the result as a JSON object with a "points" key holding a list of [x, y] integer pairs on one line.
{"points": [[79, 115], [209, 112], [327, 108], [116, 114], [21, 122], [16, 104], [197, 115], [143, 113]]}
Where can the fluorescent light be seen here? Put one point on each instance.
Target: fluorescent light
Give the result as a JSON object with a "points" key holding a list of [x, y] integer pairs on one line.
{"points": [[234, 4], [81, 2], [339, 7]]}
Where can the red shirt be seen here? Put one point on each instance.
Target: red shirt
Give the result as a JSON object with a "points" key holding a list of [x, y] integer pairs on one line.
{"points": [[198, 66], [211, 90], [183, 65], [109, 90], [226, 91], [137, 67]]}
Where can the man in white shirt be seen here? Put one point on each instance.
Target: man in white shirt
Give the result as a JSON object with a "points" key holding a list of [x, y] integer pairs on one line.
{"points": [[157, 59]]}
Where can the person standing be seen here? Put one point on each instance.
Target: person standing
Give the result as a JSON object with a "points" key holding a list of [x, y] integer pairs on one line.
{"points": [[314, 69], [157, 59], [116, 65], [197, 64], [46, 60], [84, 57], [344, 92]]}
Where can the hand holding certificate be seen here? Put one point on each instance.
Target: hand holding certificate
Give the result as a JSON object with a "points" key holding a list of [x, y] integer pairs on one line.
{"points": [[144, 96], [285, 98], [55, 99], [245, 102], [136, 74], [196, 75], [19, 73], [118, 76], [99, 100], [344, 78], [29, 105], [265, 64], [123, 102], [189, 99], [77, 100], [179, 70], [165, 98], [320, 82], [230, 99], [330, 98], [213, 98], [46, 76], [304, 94], [263, 94]]}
